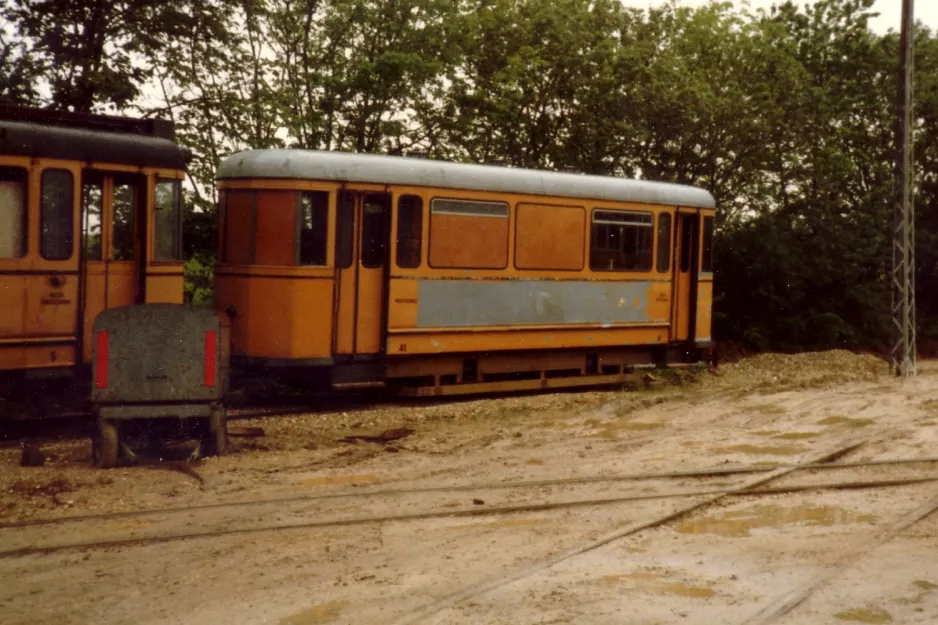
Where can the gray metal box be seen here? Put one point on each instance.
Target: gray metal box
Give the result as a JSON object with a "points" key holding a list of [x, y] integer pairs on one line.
{"points": [[159, 353]]}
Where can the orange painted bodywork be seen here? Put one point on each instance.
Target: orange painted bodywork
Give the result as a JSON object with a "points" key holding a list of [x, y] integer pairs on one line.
{"points": [[43, 300], [367, 311]]}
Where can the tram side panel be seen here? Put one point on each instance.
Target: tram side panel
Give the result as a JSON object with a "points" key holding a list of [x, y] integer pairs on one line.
{"points": [[38, 264], [274, 281], [552, 298]]}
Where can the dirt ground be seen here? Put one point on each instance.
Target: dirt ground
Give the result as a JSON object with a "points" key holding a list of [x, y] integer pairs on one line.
{"points": [[327, 523]]}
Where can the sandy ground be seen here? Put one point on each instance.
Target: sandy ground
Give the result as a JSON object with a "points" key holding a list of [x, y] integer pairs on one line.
{"points": [[295, 557]]}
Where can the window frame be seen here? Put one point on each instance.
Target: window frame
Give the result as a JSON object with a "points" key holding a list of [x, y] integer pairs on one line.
{"points": [[71, 215], [383, 238], [420, 231], [343, 256], [300, 194], [661, 253], [24, 225], [623, 211], [507, 217], [177, 199], [706, 244]]}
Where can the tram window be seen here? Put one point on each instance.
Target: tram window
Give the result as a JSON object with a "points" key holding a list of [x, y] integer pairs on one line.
{"points": [[409, 231], [706, 261], [621, 241], [374, 230], [56, 215], [167, 217], [92, 201], [468, 234], [314, 215], [12, 212], [122, 229], [344, 230], [664, 242], [550, 237], [687, 232]]}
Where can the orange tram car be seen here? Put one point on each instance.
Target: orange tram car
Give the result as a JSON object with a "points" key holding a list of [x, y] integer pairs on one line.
{"points": [[90, 220], [438, 278]]}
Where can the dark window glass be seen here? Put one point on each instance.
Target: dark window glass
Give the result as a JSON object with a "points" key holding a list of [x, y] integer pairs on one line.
{"points": [[664, 242], [167, 221], [345, 230], [92, 199], [314, 215], [621, 241], [706, 262], [56, 222], [374, 230], [687, 239], [409, 231], [12, 212], [122, 228]]}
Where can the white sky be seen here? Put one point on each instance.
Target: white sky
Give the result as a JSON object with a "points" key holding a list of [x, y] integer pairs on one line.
{"points": [[925, 11]]}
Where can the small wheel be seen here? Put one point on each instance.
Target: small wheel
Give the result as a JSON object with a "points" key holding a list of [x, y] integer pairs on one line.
{"points": [[107, 444], [216, 442]]}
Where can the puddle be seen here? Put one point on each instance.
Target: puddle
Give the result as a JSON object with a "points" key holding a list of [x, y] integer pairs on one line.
{"points": [[655, 583], [339, 479], [925, 585], [535, 461], [795, 436], [766, 433], [846, 422], [772, 450], [498, 524], [738, 523], [925, 424], [322, 613], [865, 615]]}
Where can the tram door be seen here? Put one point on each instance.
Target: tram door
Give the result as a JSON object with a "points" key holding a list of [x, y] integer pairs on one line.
{"points": [[361, 257], [685, 276], [111, 244]]}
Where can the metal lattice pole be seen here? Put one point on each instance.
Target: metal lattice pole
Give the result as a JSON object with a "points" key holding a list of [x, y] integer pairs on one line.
{"points": [[903, 240]]}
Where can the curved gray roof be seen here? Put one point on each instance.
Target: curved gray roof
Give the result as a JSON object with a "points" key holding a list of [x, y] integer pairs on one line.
{"points": [[348, 167], [38, 140]]}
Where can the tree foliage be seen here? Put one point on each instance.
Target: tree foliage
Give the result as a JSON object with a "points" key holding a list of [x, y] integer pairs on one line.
{"points": [[786, 115]]}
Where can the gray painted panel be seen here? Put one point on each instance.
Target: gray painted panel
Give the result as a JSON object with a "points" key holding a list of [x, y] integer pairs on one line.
{"points": [[346, 167], [460, 303], [156, 353]]}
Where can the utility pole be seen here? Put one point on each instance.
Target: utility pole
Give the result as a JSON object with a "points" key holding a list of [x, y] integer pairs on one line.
{"points": [[903, 243]]}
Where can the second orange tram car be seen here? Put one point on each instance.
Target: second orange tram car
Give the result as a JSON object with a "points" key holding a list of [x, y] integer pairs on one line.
{"points": [[446, 278]]}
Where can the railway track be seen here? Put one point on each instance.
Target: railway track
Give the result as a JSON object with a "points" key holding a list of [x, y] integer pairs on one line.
{"points": [[395, 505]]}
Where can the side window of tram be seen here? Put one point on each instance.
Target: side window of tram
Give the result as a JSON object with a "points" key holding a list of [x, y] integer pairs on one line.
{"points": [[92, 207], [706, 260], [167, 215], [621, 241], [314, 216], [374, 230], [12, 212], [122, 230], [56, 218], [409, 231]]}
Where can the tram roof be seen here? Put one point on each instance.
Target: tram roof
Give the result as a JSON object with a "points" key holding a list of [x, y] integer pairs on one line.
{"points": [[90, 139], [399, 170]]}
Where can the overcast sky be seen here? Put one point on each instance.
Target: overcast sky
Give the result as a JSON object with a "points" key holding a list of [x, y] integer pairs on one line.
{"points": [[926, 11]]}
